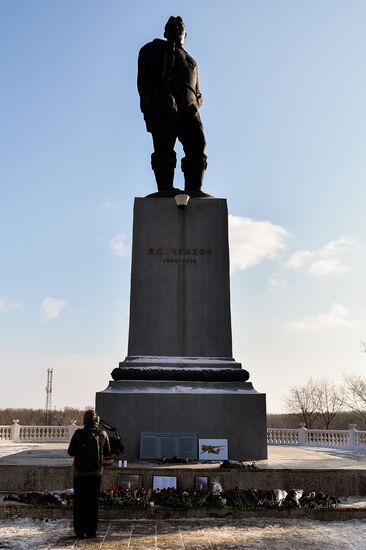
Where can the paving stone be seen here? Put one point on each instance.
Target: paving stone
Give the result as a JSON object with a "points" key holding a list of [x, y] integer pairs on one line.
{"points": [[253, 533]]}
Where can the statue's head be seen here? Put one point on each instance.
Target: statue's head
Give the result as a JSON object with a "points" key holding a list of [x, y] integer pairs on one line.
{"points": [[175, 30]]}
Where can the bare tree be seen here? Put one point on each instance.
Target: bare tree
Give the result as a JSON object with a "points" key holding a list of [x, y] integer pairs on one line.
{"points": [[328, 400], [355, 394], [35, 417], [302, 401]]}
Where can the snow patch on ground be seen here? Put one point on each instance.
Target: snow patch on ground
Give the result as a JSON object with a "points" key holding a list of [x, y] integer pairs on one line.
{"points": [[7, 448], [29, 534], [340, 452]]}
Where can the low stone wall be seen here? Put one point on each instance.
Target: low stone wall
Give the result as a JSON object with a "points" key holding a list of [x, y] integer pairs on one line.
{"points": [[18, 478], [8, 510]]}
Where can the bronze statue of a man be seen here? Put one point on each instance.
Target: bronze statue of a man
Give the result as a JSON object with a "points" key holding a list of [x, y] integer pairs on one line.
{"points": [[170, 98]]}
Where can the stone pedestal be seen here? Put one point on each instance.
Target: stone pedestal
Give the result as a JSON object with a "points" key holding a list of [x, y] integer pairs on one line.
{"points": [[179, 375], [180, 291]]}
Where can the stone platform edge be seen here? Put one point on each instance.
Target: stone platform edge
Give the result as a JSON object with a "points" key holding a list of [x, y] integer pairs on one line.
{"points": [[11, 510], [340, 483]]}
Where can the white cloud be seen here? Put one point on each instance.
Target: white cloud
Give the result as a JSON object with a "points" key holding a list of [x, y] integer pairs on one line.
{"points": [[252, 241], [108, 205], [52, 307], [276, 281], [328, 267], [337, 317], [325, 261], [299, 259], [118, 245], [6, 306]]}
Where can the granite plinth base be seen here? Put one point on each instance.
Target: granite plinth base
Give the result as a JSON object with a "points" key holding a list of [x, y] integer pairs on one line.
{"points": [[181, 362], [204, 369], [217, 410]]}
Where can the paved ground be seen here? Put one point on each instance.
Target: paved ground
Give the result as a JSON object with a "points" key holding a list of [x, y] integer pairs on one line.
{"points": [[210, 534], [270, 534], [279, 457]]}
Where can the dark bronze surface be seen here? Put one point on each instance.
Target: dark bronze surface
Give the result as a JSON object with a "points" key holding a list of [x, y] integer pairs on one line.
{"points": [[170, 98]]}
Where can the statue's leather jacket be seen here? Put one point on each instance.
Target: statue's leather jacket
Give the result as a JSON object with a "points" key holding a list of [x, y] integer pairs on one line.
{"points": [[166, 71]]}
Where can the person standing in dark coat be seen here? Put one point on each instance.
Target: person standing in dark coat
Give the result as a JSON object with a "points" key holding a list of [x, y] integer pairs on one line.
{"points": [[87, 445], [170, 97]]}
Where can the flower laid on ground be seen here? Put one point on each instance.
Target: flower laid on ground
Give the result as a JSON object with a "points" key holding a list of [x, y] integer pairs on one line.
{"points": [[46, 498], [126, 498], [254, 498], [238, 499], [188, 498]]}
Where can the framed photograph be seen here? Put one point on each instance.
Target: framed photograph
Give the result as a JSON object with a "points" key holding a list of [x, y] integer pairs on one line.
{"points": [[201, 483], [129, 481], [212, 449], [164, 482]]}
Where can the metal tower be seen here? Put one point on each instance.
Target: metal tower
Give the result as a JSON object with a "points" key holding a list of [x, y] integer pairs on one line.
{"points": [[49, 397]]}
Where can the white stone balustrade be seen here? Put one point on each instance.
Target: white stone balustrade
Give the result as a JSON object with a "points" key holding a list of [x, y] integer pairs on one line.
{"points": [[5, 433], [361, 439], [282, 436], [351, 438], [37, 434]]}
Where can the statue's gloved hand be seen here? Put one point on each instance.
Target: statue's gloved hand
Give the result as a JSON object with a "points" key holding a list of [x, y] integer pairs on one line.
{"points": [[168, 104], [192, 109]]}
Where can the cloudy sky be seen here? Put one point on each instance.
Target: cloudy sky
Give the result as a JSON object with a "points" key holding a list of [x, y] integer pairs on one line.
{"points": [[284, 87]]}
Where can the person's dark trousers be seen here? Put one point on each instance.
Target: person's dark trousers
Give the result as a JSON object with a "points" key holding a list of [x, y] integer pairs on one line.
{"points": [[85, 512]]}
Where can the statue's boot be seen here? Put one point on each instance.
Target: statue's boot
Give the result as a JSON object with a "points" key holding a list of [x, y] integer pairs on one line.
{"points": [[193, 169], [163, 167]]}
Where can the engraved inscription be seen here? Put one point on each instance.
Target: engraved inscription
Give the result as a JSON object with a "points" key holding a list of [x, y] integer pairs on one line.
{"points": [[180, 255], [166, 444], [179, 261]]}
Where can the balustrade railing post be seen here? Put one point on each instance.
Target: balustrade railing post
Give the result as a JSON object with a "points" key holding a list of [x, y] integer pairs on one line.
{"points": [[352, 435], [15, 430], [302, 434]]}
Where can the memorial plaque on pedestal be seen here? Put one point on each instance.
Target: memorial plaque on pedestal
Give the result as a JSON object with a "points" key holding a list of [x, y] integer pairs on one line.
{"points": [[168, 445]]}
